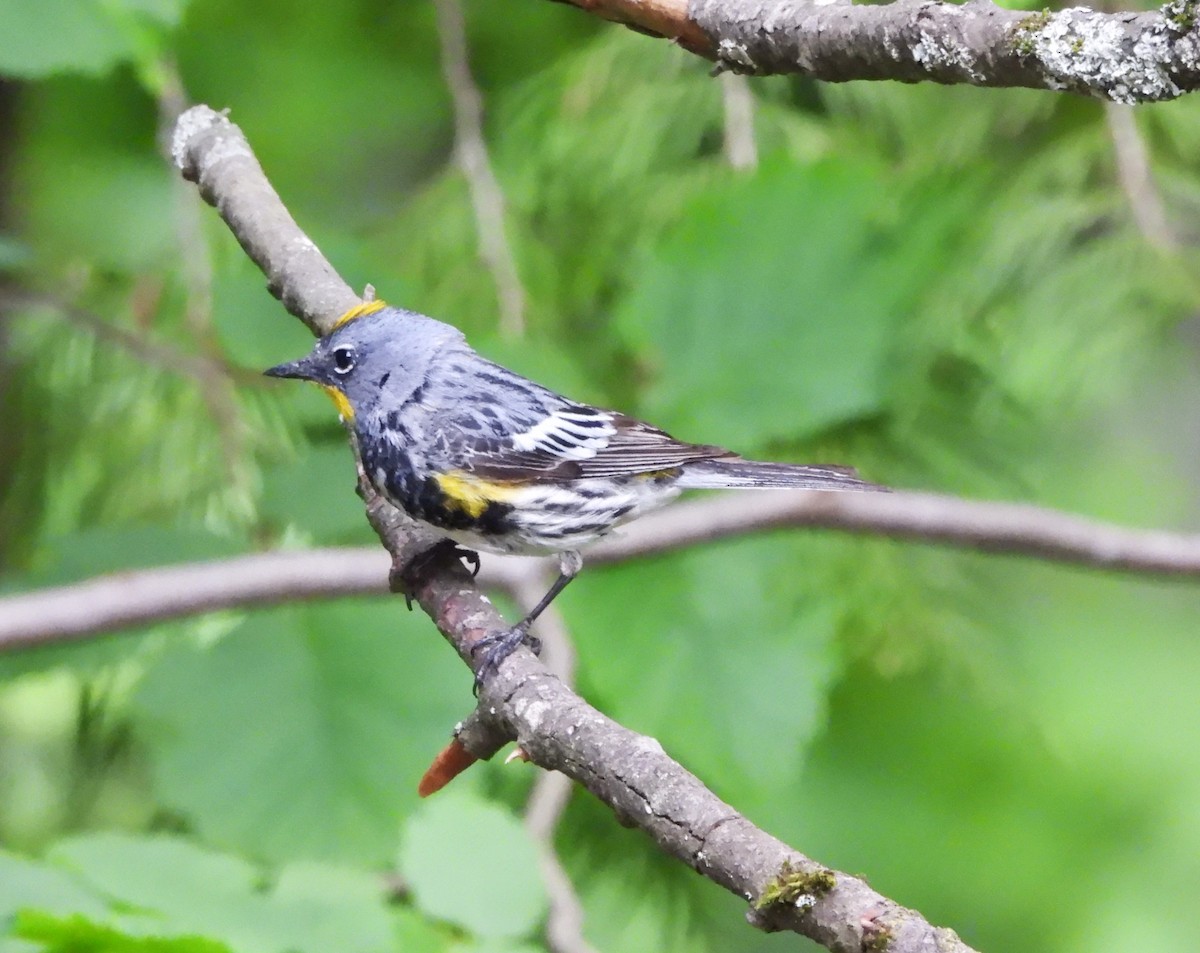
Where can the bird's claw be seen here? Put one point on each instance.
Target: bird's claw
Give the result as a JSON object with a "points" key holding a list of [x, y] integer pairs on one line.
{"points": [[498, 646], [470, 557], [422, 561]]}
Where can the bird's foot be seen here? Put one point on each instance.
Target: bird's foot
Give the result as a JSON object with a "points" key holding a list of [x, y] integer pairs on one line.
{"points": [[470, 557], [421, 563], [500, 645]]}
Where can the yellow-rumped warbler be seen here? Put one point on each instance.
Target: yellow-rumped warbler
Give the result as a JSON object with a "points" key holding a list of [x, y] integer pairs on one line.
{"points": [[501, 464]]}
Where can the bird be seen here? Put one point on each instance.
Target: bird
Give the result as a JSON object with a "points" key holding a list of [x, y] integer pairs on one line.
{"points": [[497, 463]]}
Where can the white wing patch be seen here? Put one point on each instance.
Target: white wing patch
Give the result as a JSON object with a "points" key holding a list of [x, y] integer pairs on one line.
{"points": [[570, 434]]}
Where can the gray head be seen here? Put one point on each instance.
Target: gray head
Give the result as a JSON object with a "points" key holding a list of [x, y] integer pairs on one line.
{"points": [[373, 352]]}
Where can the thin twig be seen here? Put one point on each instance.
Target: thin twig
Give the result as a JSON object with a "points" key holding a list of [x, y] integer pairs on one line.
{"points": [[487, 199], [123, 600], [1133, 172], [564, 924], [146, 349], [741, 148], [195, 256], [217, 390], [112, 603], [1018, 529], [552, 790]]}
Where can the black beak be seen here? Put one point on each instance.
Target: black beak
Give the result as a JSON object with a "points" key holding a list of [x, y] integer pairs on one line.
{"points": [[301, 370]]}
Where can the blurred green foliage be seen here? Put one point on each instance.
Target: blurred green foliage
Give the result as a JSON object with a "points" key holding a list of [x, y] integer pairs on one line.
{"points": [[943, 286]]}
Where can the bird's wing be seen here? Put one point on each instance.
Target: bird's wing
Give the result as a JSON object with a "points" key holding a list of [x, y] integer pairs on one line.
{"points": [[574, 442]]}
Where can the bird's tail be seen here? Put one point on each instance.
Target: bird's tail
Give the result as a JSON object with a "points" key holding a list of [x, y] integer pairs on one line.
{"points": [[735, 473]]}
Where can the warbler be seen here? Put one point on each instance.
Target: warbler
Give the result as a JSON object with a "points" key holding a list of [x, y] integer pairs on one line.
{"points": [[498, 463]]}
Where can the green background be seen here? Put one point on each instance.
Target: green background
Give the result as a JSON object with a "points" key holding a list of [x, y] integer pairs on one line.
{"points": [[944, 286]]}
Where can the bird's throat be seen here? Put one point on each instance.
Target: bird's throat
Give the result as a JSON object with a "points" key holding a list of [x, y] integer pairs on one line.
{"points": [[340, 402]]}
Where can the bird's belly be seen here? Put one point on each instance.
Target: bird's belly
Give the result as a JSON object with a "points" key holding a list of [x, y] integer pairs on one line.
{"points": [[550, 518]]}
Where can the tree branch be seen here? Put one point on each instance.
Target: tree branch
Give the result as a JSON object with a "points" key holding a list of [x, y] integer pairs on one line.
{"points": [[1124, 57], [556, 728], [1013, 528], [128, 599], [111, 603]]}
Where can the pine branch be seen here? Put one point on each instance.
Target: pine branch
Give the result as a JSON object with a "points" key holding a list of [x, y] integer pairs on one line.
{"points": [[1124, 57], [523, 700]]}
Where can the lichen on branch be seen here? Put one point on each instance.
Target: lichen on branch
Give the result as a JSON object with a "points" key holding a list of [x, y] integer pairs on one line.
{"points": [[1129, 57]]}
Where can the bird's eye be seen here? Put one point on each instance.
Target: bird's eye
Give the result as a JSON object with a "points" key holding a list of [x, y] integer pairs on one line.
{"points": [[343, 359]]}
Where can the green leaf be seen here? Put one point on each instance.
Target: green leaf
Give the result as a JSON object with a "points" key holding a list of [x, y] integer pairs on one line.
{"points": [[634, 897], [109, 549], [303, 733], [72, 210], [498, 946], [766, 312], [175, 887], [327, 908], [472, 863], [315, 493], [134, 870], [252, 327], [166, 12], [49, 37], [28, 884], [14, 253], [58, 36], [730, 657], [930, 128], [416, 934], [79, 935]]}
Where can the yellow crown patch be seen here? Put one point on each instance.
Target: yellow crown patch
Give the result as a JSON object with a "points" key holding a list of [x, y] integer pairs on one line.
{"points": [[358, 311]]}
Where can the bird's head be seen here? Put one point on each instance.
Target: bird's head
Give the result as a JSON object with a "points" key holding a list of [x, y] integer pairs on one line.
{"points": [[375, 356]]}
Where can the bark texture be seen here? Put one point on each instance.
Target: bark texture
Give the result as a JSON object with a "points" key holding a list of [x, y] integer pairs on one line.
{"points": [[1130, 57]]}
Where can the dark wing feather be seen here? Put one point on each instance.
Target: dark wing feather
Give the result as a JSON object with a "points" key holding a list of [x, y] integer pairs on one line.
{"points": [[637, 447], [579, 442]]}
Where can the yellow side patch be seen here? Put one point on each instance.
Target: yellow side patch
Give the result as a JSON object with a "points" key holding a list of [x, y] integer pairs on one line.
{"points": [[470, 494], [367, 307], [655, 474], [339, 401]]}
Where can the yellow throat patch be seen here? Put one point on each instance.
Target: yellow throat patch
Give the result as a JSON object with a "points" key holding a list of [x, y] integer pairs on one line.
{"points": [[472, 495], [339, 401]]}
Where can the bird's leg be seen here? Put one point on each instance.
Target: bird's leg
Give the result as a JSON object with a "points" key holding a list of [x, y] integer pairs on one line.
{"points": [[421, 563], [500, 645]]}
